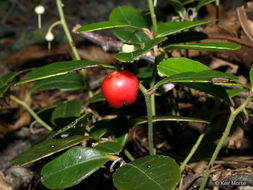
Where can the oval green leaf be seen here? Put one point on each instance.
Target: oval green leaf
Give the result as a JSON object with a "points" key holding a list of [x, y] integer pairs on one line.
{"points": [[130, 16], [109, 147], [144, 48], [82, 119], [46, 148], [106, 25], [118, 127], [207, 76], [60, 68], [205, 46], [140, 120], [234, 92], [251, 77], [168, 28], [214, 90], [184, 37], [96, 98], [72, 167], [178, 65], [202, 3], [67, 109], [178, 6], [149, 172], [69, 81]]}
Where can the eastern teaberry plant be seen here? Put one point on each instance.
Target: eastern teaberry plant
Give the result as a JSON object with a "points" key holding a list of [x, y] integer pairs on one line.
{"points": [[106, 139]]}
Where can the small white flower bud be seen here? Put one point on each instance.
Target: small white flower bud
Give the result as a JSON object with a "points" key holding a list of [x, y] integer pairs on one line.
{"points": [[127, 48], [49, 36], [39, 9]]}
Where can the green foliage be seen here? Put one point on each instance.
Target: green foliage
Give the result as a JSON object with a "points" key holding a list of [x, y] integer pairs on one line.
{"points": [[109, 136], [251, 77], [59, 68], [202, 3], [178, 65], [144, 48], [46, 148], [106, 25], [5, 82], [168, 28], [68, 109], [71, 167], [133, 17], [69, 81], [205, 46], [149, 172], [109, 147]]}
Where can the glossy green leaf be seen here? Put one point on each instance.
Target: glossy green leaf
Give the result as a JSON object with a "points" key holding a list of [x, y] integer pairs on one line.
{"points": [[106, 25], [177, 65], [5, 82], [117, 127], [130, 16], [72, 167], [69, 81], [212, 89], [251, 77], [145, 47], [96, 98], [178, 5], [234, 92], [46, 148], [60, 68], [168, 28], [205, 46], [140, 120], [184, 37], [145, 72], [76, 123], [202, 3], [109, 147], [150, 172], [67, 109], [208, 76]]}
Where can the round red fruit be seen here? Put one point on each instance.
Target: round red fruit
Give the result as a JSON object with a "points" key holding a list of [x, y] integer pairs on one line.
{"points": [[120, 88]]}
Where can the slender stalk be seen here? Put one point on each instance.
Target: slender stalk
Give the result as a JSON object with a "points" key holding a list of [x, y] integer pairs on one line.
{"points": [[54, 25], [153, 16], [35, 116], [200, 138], [193, 150], [223, 138], [217, 3], [130, 157], [71, 42], [152, 150]]}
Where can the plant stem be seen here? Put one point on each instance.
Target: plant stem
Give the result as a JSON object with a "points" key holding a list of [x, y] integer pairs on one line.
{"points": [[200, 138], [223, 138], [153, 17], [217, 3], [54, 25], [193, 150], [71, 42], [130, 157], [35, 116], [152, 150]]}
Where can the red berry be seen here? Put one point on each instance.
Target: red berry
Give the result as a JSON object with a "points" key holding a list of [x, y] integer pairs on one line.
{"points": [[120, 88]]}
